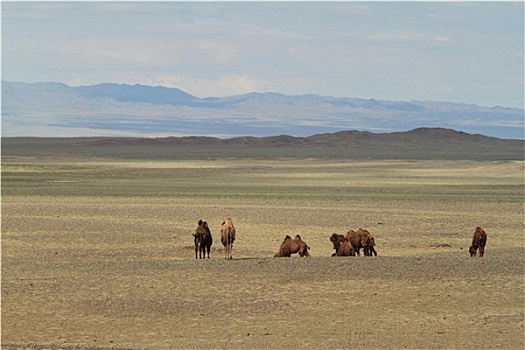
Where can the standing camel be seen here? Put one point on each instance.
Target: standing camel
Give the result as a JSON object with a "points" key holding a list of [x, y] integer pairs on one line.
{"points": [[228, 237], [478, 242], [203, 239]]}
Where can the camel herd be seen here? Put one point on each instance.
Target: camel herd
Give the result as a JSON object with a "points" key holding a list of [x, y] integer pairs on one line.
{"points": [[203, 240], [348, 245], [351, 244]]}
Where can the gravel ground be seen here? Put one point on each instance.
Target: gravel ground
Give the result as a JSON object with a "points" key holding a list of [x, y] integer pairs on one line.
{"points": [[439, 300]]}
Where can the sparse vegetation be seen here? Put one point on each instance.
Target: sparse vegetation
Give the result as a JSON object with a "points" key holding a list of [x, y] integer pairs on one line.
{"points": [[98, 253]]}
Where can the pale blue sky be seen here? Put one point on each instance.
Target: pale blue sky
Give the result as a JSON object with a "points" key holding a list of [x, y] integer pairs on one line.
{"points": [[469, 52]]}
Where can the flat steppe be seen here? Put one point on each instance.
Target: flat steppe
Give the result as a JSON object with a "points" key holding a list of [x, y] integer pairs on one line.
{"points": [[98, 253]]}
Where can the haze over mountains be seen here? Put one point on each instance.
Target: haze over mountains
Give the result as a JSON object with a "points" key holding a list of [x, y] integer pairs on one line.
{"points": [[59, 110]]}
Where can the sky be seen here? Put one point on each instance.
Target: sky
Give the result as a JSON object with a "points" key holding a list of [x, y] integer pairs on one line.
{"points": [[467, 52]]}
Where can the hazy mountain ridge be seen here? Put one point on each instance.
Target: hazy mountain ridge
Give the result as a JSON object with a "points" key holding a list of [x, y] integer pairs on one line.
{"points": [[137, 93], [144, 111]]}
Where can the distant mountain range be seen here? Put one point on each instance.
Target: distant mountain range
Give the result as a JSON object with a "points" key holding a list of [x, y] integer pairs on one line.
{"points": [[55, 110]]}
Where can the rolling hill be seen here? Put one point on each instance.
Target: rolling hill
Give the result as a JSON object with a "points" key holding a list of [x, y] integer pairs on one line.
{"points": [[421, 143]]}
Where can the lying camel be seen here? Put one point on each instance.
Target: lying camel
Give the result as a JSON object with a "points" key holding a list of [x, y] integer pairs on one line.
{"points": [[342, 246], [291, 246]]}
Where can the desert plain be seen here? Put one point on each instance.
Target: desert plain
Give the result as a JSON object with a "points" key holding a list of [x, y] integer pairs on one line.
{"points": [[97, 253]]}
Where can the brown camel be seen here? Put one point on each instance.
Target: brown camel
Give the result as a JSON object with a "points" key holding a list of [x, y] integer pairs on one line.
{"points": [[478, 242], [228, 237], [342, 246], [202, 239], [361, 239], [369, 249], [291, 246]]}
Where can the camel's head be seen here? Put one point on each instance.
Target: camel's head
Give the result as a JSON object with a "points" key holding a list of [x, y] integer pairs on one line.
{"points": [[336, 240]]}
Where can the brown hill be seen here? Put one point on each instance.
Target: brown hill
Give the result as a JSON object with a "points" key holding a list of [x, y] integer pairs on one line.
{"points": [[421, 143]]}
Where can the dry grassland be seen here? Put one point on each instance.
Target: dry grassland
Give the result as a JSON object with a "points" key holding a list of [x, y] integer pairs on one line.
{"points": [[99, 254]]}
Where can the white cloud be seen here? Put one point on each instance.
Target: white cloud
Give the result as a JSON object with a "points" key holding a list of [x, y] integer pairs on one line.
{"points": [[390, 37]]}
